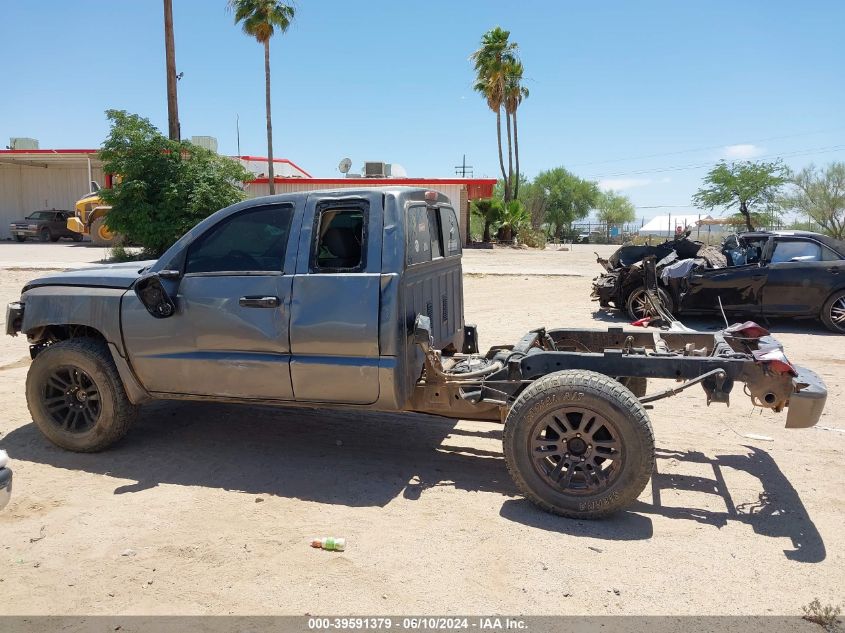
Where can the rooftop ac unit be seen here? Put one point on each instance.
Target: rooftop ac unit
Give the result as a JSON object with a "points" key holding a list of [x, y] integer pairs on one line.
{"points": [[20, 142], [374, 169], [208, 142]]}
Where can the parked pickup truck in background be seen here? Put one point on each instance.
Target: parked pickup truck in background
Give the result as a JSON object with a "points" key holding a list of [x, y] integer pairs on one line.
{"points": [[354, 298], [47, 226]]}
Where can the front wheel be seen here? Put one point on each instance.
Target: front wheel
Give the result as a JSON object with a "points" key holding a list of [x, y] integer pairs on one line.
{"points": [[579, 444], [20, 238], [44, 235], [639, 306], [101, 235], [833, 312], [76, 397]]}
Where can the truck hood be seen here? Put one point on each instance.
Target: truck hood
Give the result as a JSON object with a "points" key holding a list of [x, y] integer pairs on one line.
{"points": [[105, 276]]}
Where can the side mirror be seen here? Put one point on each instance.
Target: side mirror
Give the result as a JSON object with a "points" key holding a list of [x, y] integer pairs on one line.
{"points": [[422, 332], [152, 294]]}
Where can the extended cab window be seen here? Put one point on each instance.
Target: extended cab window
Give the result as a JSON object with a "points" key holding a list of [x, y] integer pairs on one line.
{"points": [[253, 240], [451, 232], [424, 235], [340, 240]]}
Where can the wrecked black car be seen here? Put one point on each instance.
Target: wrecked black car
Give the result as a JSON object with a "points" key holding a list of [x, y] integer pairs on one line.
{"points": [[758, 274]]}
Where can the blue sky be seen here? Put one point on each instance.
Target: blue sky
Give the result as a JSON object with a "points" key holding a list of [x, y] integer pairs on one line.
{"points": [[641, 96]]}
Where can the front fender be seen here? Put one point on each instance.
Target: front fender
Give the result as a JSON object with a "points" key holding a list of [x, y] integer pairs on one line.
{"points": [[96, 308]]}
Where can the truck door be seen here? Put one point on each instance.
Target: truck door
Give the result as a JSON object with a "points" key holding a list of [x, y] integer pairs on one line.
{"points": [[334, 326], [229, 336]]}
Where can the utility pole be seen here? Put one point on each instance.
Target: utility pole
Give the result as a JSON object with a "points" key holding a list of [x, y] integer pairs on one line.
{"points": [[463, 169], [170, 55]]}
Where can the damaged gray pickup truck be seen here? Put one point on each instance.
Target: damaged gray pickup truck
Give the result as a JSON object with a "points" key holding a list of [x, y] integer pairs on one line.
{"points": [[354, 298]]}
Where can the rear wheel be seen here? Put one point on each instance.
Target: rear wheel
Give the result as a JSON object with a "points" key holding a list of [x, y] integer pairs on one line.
{"points": [[101, 235], [639, 306], [579, 444], [833, 312], [76, 397]]}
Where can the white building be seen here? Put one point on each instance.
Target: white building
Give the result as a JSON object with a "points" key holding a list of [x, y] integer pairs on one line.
{"points": [[31, 180]]}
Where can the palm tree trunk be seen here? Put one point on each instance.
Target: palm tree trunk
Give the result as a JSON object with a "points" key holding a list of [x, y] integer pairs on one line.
{"points": [[270, 173], [510, 152], [501, 158], [516, 156]]}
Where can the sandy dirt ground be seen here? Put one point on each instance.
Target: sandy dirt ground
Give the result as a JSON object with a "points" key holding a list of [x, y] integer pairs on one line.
{"points": [[208, 509]]}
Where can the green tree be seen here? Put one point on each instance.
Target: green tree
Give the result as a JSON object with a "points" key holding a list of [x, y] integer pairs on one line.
{"points": [[614, 208], [514, 220], [164, 187], [492, 62], [746, 185], [490, 210], [820, 195], [563, 198], [261, 19]]}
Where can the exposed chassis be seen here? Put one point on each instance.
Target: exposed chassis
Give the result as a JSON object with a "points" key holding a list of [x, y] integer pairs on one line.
{"points": [[717, 361]]}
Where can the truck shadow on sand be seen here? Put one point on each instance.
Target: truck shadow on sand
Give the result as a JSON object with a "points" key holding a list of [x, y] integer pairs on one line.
{"points": [[368, 459], [778, 511]]}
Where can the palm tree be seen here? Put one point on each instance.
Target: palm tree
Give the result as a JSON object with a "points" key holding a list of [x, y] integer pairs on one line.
{"points": [[260, 19], [491, 61], [515, 92]]}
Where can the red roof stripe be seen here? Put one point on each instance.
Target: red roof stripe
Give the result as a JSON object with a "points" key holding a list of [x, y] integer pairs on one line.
{"points": [[380, 181]]}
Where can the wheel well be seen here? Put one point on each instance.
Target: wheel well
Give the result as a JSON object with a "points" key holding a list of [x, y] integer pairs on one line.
{"points": [[835, 292], [46, 335]]}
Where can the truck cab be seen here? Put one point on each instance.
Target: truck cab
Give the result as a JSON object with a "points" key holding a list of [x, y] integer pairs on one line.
{"points": [[303, 297]]}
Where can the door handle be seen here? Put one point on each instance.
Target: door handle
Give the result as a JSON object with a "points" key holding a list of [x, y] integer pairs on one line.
{"points": [[757, 277], [834, 270], [259, 302]]}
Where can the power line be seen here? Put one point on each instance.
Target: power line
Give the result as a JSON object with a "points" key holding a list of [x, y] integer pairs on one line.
{"points": [[702, 149], [658, 170]]}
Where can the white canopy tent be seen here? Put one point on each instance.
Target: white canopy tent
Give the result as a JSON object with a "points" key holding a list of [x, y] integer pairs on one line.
{"points": [[665, 225]]}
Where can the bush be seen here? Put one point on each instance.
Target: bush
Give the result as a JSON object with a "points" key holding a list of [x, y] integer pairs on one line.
{"points": [[533, 238], [163, 187]]}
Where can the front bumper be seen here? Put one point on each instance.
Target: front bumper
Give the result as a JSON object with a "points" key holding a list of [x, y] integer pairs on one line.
{"points": [[23, 231], [807, 402], [75, 224], [14, 318], [5, 486]]}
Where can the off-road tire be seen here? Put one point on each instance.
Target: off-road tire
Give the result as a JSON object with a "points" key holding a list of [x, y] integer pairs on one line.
{"points": [[55, 238], [596, 393], [836, 301], [44, 235], [633, 297], [20, 238], [96, 238], [92, 357], [636, 385]]}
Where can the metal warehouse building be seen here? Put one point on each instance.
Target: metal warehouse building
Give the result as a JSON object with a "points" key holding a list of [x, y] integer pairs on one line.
{"points": [[31, 180]]}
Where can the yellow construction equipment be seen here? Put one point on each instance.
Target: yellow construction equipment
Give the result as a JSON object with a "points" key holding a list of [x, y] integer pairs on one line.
{"points": [[89, 218]]}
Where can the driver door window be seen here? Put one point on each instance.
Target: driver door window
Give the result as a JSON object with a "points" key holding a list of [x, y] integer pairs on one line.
{"points": [[252, 241]]}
